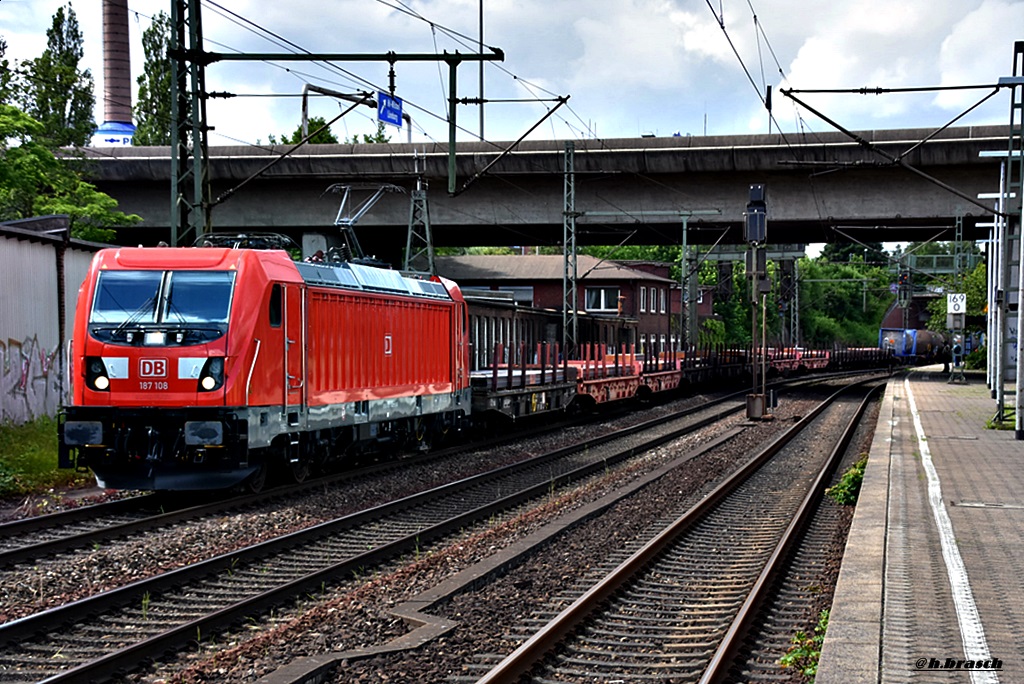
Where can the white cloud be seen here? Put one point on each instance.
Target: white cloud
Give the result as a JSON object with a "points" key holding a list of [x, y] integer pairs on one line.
{"points": [[911, 44], [975, 49], [640, 45]]}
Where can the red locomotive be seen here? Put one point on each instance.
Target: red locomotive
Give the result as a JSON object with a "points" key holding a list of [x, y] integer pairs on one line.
{"points": [[199, 368]]}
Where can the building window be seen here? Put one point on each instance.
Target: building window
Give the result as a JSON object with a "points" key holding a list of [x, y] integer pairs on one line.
{"points": [[521, 294], [664, 298], [643, 299], [602, 299]]}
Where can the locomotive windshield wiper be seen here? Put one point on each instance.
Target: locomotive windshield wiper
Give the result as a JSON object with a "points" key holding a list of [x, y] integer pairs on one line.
{"points": [[147, 306], [172, 309]]}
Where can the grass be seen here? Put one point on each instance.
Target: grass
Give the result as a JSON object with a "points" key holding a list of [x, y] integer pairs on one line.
{"points": [[28, 460], [1008, 421]]}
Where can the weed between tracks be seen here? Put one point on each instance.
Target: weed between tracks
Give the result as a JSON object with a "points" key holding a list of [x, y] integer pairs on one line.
{"points": [[806, 649], [846, 490]]}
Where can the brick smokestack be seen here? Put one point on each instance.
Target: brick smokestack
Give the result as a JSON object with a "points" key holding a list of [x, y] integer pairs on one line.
{"points": [[117, 73]]}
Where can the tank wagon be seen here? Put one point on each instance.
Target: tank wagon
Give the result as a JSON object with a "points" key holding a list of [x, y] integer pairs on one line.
{"points": [[914, 346]]}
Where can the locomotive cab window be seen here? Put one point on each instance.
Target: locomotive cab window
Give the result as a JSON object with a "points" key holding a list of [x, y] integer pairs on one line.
{"points": [[198, 296], [126, 295], [161, 307]]}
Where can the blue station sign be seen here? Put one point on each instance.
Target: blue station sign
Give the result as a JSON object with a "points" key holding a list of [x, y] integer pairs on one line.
{"points": [[389, 109]]}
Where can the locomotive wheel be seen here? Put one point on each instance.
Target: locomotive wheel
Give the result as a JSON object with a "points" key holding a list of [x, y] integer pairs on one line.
{"points": [[256, 481], [299, 470]]}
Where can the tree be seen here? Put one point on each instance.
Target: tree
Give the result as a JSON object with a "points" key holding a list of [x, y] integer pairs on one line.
{"points": [[842, 303], [843, 252], [6, 74], [34, 182], [712, 333], [56, 93], [668, 254], [315, 123], [928, 248], [153, 107], [463, 251], [734, 311], [378, 137]]}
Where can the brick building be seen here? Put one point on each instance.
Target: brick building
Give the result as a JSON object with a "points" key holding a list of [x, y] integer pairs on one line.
{"points": [[641, 291]]}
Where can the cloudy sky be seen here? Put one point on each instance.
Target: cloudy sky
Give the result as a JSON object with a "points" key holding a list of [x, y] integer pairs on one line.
{"points": [[630, 67]]}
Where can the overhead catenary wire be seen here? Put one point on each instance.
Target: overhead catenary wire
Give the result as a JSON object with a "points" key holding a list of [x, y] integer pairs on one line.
{"points": [[560, 100], [896, 160], [471, 43], [296, 49], [720, 20]]}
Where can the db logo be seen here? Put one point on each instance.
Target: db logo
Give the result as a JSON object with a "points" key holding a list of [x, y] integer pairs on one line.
{"points": [[152, 368], [387, 344]]}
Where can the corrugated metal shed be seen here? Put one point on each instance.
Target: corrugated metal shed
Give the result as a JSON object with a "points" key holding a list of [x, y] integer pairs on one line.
{"points": [[32, 255], [28, 282]]}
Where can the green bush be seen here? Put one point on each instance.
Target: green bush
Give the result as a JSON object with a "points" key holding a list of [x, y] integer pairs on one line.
{"points": [[845, 491], [976, 360]]}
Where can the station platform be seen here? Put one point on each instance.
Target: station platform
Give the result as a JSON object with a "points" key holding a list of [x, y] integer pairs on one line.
{"points": [[931, 587]]}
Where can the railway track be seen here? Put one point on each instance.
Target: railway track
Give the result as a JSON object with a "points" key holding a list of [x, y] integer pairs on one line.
{"points": [[34, 537], [31, 538], [678, 608], [87, 526], [796, 599], [117, 630]]}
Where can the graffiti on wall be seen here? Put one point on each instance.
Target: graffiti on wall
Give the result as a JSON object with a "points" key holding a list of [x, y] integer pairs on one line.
{"points": [[30, 381]]}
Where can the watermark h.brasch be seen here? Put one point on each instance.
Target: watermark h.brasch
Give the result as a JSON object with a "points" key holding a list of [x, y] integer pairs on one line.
{"points": [[991, 664]]}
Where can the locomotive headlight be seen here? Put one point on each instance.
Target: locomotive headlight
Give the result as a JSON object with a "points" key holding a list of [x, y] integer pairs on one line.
{"points": [[212, 375], [96, 374]]}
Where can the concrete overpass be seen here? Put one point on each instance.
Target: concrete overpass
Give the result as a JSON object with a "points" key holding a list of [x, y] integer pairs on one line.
{"points": [[821, 188]]}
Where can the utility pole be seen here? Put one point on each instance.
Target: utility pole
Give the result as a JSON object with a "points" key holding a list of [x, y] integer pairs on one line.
{"points": [[904, 290], [419, 240], [570, 320], [190, 185], [480, 48], [956, 308], [1013, 190]]}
